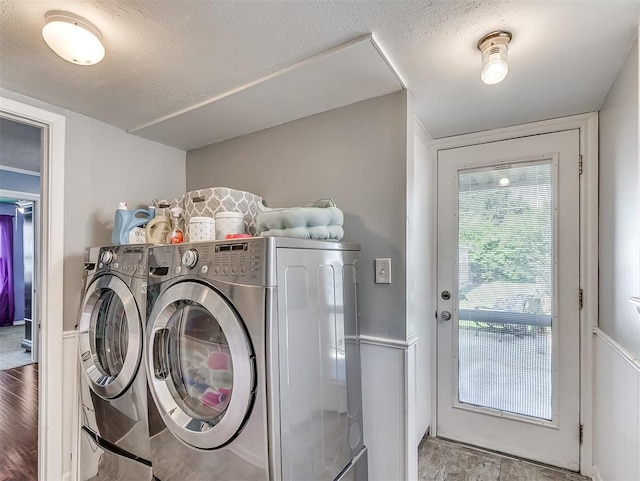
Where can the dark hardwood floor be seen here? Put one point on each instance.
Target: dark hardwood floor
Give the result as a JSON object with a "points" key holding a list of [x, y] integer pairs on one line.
{"points": [[19, 424]]}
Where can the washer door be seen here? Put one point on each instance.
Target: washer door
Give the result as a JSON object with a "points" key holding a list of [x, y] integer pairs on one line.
{"points": [[109, 336], [201, 367]]}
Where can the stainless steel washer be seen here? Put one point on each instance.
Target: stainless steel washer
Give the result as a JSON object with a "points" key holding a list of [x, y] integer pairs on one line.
{"points": [[114, 437], [253, 361]]}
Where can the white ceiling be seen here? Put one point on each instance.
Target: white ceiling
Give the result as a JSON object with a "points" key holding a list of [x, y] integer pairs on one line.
{"points": [[166, 56]]}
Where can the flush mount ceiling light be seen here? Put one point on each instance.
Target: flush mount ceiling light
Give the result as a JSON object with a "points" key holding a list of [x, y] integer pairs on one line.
{"points": [[73, 38], [494, 48]]}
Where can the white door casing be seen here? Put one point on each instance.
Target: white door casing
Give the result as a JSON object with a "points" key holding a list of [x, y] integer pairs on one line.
{"points": [[50, 309], [554, 441]]}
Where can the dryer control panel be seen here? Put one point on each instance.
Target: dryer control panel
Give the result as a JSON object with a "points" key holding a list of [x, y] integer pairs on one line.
{"points": [[240, 261]]}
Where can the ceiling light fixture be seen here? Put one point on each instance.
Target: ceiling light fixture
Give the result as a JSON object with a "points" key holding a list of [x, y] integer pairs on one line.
{"points": [[494, 48], [73, 38]]}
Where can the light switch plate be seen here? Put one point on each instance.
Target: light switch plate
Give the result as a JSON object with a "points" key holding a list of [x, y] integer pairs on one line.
{"points": [[383, 271]]}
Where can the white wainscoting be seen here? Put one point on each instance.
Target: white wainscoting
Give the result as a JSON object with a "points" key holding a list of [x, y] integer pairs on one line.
{"points": [[70, 404], [388, 404], [616, 411]]}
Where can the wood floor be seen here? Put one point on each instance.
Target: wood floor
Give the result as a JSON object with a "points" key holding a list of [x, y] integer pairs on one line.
{"points": [[19, 424]]}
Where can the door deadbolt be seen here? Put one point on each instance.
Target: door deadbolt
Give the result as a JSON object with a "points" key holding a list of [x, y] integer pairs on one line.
{"points": [[445, 315], [446, 295]]}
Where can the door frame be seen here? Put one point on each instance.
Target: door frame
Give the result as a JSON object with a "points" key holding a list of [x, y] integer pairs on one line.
{"points": [[35, 288], [51, 281], [587, 124]]}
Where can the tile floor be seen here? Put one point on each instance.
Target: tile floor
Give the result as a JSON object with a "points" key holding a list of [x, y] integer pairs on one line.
{"points": [[440, 460]]}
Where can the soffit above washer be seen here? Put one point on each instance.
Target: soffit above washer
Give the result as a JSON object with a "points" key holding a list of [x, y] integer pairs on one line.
{"points": [[342, 76]]}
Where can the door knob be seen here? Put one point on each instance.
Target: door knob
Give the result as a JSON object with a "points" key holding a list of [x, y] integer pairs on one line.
{"points": [[445, 315], [446, 295]]}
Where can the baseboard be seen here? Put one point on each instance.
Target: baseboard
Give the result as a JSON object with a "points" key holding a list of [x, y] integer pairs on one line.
{"points": [[596, 474]]}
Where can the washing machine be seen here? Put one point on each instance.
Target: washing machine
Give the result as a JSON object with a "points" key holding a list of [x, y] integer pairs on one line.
{"points": [[253, 361], [114, 436]]}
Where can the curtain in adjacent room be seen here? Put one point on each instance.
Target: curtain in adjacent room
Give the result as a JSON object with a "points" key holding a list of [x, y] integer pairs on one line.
{"points": [[7, 306]]}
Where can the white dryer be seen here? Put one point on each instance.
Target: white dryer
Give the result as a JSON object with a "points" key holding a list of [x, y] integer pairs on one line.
{"points": [[253, 361], [114, 437]]}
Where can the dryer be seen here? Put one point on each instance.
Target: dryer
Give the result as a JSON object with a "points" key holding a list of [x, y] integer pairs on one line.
{"points": [[253, 361], [114, 436]]}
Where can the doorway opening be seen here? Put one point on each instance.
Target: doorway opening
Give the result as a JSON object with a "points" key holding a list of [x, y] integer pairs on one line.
{"points": [[21, 157], [45, 379], [517, 248]]}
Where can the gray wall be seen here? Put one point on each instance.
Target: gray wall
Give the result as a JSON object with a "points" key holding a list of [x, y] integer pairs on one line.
{"points": [[355, 155], [19, 182], [104, 165], [619, 246], [20, 145]]}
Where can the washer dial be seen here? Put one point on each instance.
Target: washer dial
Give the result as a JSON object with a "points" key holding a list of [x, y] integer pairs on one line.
{"points": [[190, 258], [107, 257]]}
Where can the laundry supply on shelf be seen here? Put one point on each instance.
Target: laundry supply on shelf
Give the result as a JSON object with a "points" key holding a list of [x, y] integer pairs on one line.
{"points": [[128, 227], [159, 227], [176, 236], [213, 200]]}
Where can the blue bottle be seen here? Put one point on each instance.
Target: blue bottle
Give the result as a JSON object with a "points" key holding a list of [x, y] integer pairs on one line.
{"points": [[125, 220]]}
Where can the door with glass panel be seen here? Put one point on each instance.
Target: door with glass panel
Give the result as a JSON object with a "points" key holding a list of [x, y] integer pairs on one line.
{"points": [[508, 297]]}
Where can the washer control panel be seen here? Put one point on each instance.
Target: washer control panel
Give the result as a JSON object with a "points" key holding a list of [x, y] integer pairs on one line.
{"points": [[129, 260]]}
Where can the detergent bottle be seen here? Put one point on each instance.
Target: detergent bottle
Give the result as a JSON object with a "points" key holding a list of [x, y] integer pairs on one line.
{"points": [[125, 224], [176, 236]]}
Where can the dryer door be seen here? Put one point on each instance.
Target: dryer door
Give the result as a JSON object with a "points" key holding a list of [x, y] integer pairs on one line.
{"points": [[109, 336], [201, 366]]}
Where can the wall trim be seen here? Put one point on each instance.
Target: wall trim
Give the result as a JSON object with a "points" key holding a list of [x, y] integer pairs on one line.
{"points": [[515, 131], [596, 474], [50, 405], [19, 171], [633, 360], [588, 126], [386, 342], [71, 388]]}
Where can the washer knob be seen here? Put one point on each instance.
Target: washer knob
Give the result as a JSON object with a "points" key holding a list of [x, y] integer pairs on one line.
{"points": [[107, 257], [190, 258]]}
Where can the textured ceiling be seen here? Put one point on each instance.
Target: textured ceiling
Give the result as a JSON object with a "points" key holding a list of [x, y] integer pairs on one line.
{"points": [[164, 56]]}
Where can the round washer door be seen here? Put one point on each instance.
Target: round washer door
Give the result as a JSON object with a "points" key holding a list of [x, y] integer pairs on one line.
{"points": [[109, 336], [200, 365]]}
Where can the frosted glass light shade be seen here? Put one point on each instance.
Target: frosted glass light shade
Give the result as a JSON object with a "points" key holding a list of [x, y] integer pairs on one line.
{"points": [[494, 64], [73, 38], [494, 49]]}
